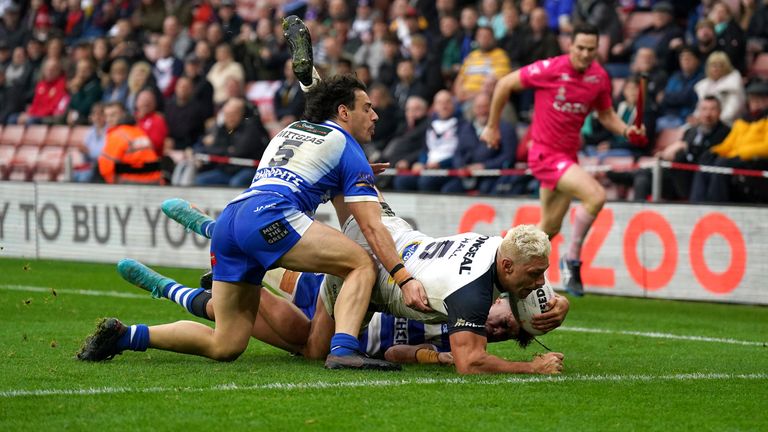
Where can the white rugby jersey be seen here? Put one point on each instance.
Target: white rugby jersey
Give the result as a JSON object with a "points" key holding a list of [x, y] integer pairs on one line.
{"points": [[458, 274], [309, 163]]}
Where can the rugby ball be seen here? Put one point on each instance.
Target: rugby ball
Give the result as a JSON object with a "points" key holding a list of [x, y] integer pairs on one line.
{"points": [[534, 304]]}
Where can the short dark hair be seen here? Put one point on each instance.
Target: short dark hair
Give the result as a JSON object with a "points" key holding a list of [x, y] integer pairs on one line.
{"points": [[714, 99], [584, 28], [115, 104], [324, 100]]}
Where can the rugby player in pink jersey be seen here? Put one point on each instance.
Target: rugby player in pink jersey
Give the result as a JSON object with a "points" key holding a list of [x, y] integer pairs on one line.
{"points": [[567, 88]]}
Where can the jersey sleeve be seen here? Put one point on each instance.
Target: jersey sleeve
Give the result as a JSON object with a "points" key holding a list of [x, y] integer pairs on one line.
{"points": [[534, 74], [356, 176], [468, 306]]}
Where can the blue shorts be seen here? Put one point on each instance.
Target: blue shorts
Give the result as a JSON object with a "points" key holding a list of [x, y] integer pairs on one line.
{"points": [[306, 292], [252, 234]]}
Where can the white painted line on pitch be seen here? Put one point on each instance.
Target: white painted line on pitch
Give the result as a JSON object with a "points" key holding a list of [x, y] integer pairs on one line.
{"points": [[49, 290], [663, 336], [565, 328], [385, 383]]}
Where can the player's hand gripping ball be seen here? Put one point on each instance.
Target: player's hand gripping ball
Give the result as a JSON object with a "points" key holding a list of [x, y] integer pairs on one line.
{"points": [[534, 304]]}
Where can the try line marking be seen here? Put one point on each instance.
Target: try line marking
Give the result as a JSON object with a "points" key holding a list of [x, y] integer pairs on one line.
{"points": [[657, 335], [384, 383]]}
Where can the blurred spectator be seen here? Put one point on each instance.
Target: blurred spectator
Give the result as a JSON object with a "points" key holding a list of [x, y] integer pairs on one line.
{"points": [[468, 26], [473, 154], [229, 20], [329, 57], [406, 84], [11, 30], [746, 146], [541, 42], [6, 54], [757, 32], [663, 36], [127, 156], [694, 148], [182, 10], [371, 52], [235, 137], [406, 22], [214, 35], [602, 144], [426, 67], [224, 68], [705, 41], [646, 63], [486, 60], [85, 90], [390, 116], [167, 68], [724, 82], [363, 73], [441, 143], [289, 99], [100, 52], [179, 37], [184, 117], [35, 56], [515, 33], [204, 54], [150, 15], [410, 138], [363, 22], [601, 14], [37, 20], [259, 52], [678, 100], [117, 83], [448, 46], [74, 24], [139, 78], [93, 144], [203, 93], [730, 37], [387, 74], [19, 72], [123, 41], [150, 121], [50, 102], [490, 16]]}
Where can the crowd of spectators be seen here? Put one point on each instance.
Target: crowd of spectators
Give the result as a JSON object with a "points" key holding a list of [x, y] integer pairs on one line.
{"points": [[183, 71]]}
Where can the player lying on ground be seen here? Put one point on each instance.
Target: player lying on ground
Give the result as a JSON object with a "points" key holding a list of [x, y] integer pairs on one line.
{"points": [[457, 299]]}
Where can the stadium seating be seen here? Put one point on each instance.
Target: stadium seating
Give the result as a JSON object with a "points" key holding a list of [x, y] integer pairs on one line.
{"points": [[34, 135], [12, 135], [57, 136], [23, 163], [77, 136]]}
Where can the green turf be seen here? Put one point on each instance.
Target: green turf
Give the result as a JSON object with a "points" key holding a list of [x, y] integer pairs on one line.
{"points": [[611, 381]]}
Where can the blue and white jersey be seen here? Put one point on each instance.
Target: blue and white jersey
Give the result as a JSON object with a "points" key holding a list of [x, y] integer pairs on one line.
{"points": [[385, 331], [310, 163]]}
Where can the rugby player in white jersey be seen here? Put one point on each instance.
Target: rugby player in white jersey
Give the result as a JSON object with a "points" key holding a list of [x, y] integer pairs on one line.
{"points": [[269, 225], [462, 275]]}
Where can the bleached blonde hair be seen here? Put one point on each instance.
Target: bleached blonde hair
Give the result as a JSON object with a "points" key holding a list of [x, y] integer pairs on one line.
{"points": [[525, 242]]}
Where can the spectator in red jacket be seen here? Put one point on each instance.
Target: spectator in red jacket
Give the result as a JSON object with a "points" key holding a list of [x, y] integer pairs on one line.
{"points": [[150, 121], [51, 99]]}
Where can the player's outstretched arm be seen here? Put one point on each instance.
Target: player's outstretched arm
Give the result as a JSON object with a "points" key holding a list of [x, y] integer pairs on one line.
{"points": [[504, 88], [611, 121], [470, 356], [424, 354]]}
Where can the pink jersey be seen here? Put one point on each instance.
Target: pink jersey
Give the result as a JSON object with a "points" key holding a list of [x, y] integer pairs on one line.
{"points": [[562, 100]]}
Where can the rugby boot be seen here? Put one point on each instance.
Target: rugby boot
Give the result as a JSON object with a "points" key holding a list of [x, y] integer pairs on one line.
{"points": [[143, 277], [102, 344], [206, 280], [570, 271], [300, 46], [189, 216]]}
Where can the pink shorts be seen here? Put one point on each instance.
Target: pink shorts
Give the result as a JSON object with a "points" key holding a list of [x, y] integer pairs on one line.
{"points": [[549, 165]]}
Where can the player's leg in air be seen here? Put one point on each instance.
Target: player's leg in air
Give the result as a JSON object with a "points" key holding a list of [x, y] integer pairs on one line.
{"points": [[578, 183]]}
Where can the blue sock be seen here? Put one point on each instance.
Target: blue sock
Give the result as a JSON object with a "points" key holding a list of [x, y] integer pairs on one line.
{"points": [[181, 294], [135, 339], [207, 228], [343, 344]]}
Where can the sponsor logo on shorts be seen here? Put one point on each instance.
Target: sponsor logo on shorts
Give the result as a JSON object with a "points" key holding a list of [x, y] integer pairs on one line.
{"points": [[365, 180], [213, 259], [274, 232], [264, 207], [409, 250], [461, 322]]}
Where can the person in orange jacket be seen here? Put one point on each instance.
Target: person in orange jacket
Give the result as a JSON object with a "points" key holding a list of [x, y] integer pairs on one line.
{"points": [[128, 156]]}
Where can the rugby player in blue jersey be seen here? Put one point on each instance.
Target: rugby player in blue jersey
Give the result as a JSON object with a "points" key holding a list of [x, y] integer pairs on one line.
{"points": [[468, 314], [270, 225]]}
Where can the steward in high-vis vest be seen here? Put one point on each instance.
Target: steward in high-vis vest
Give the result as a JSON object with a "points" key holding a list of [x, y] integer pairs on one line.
{"points": [[128, 156]]}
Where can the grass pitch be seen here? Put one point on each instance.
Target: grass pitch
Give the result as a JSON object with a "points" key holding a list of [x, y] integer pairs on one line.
{"points": [[630, 364]]}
